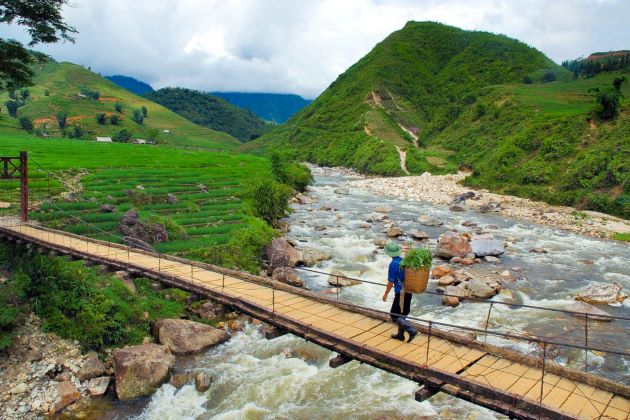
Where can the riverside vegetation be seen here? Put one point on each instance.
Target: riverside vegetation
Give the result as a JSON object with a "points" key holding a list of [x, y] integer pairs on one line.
{"points": [[451, 98]]}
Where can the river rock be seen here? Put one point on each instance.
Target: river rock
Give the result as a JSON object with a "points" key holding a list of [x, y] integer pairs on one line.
{"points": [[19, 389], [492, 259], [288, 276], [339, 279], [468, 223], [179, 379], [92, 367], [456, 291], [380, 242], [383, 209], [182, 336], [98, 386], [313, 256], [458, 207], [210, 310], [490, 207], [446, 280], [68, 393], [602, 293], [440, 271], [479, 289], [280, 253], [342, 191], [172, 198], [594, 313], [377, 217], [538, 251], [482, 247], [34, 356], [419, 234], [394, 231], [140, 370], [107, 208], [203, 381], [427, 220], [451, 301], [452, 245]]}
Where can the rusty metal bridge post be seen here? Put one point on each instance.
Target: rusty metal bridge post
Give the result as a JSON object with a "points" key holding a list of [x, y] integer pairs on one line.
{"points": [[12, 165]]}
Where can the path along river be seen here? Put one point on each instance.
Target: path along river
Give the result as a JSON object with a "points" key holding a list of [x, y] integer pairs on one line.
{"points": [[290, 378]]}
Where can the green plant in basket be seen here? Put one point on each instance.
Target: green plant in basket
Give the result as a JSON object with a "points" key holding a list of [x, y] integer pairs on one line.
{"points": [[417, 258]]}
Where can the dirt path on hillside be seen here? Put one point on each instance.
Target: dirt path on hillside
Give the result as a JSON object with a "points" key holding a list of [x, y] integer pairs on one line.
{"points": [[441, 189], [403, 159]]}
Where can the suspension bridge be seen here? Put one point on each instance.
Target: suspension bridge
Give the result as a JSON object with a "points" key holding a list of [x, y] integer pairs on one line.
{"points": [[440, 359]]}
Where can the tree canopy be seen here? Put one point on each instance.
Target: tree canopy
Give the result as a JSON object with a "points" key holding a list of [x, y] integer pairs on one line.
{"points": [[44, 23]]}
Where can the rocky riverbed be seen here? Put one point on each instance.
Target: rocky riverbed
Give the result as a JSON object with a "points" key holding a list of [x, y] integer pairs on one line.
{"points": [[443, 189]]}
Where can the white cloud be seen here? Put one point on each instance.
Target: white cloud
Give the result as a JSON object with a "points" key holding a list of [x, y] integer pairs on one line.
{"points": [[302, 46]]}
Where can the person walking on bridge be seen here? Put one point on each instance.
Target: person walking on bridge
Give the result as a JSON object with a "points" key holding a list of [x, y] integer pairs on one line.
{"points": [[402, 301]]}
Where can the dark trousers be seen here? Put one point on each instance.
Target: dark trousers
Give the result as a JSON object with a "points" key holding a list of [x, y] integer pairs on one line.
{"points": [[398, 315]]}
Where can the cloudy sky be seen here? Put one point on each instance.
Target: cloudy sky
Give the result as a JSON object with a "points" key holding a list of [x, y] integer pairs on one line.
{"points": [[301, 46]]}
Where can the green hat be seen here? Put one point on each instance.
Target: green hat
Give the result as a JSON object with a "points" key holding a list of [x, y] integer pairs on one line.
{"points": [[392, 249]]}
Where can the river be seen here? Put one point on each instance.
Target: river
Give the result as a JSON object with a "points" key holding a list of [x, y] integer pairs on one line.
{"points": [[289, 378]]}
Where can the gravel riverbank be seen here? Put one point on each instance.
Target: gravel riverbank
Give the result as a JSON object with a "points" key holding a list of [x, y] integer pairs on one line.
{"points": [[442, 189]]}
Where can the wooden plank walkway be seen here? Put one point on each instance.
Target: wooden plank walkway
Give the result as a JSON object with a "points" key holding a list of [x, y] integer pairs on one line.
{"points": [[467, 371]]}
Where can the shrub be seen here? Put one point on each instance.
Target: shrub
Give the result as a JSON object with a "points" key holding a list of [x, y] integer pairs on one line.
{"points": [[268, 199], [138, 117], [76, 132], [122, 136], [25, 93], [114, 119], [92, 94], [144, 111], [118, 107], [26, 124], [46, 92], [12, 108], [61, 119], [101, 118]]}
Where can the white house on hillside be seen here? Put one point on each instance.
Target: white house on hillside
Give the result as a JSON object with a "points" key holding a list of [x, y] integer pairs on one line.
{"points": [[104, 139]]}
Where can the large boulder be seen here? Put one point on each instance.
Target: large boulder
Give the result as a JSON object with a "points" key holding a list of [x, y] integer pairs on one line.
{"points": [[480, 290], [140, 370], [288, 276], [130, 225], [182, 336], [210, 310], [603, 293], [280, 253], [98, 386], [394, 231], [158, 233], [594, 313], [138, 243], [483, 247], [419, 234], [451, 244], [92, 367], [440, 271], [313, 256], [171, 198], [458, 292]]}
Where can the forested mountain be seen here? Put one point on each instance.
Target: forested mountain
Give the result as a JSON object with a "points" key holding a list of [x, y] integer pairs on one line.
{"points": [[276, 107], [212, 112], [452, 98], [68, 100], [132, 85]]}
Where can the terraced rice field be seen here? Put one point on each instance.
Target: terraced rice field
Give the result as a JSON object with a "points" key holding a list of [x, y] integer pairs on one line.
{"points": [[207, 185]]}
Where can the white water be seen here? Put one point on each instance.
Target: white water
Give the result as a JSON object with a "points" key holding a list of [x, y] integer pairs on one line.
{"points": [[289, 378]]}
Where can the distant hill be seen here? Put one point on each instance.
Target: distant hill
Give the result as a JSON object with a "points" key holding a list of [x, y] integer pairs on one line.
{"points": [[274, 107], [598, 62], [66, 88], [212, 112], [445, 98], [132, 85]]}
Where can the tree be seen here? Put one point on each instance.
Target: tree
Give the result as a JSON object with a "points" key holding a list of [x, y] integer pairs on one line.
{"points": [[138, 117], [101, 118], [26, 124], [25, 93], [61, 120], [118, 107], [44, 23], [114, 119], [122, 136], [607, 101], [144, 111], [12, 108], [77, 132]]}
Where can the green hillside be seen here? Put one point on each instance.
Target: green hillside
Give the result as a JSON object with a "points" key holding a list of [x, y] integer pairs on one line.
{"points": [[69, 88], [212, 112], [451, 98]]}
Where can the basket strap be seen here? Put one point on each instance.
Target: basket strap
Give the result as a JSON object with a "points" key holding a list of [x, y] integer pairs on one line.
{"points": [[401, 301]]}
